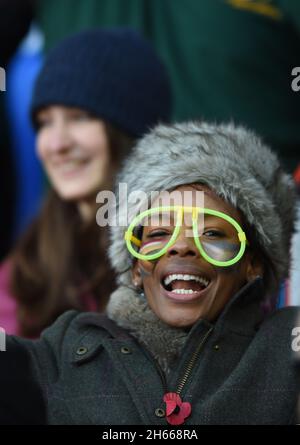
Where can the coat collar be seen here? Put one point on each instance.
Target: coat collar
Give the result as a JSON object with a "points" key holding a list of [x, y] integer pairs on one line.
{"points": [[243, 313], [128, 315]]}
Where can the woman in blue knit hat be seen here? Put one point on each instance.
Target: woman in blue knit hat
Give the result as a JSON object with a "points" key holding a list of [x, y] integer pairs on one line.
{"points": [[97, 92]]}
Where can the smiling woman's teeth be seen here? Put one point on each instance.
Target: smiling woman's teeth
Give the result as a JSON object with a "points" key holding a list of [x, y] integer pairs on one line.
{"points": [[183, 291], [185, 277]]}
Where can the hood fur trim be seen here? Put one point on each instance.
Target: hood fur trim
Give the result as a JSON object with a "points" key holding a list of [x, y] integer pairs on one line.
{"points": [[131, 311], [233, 162]]}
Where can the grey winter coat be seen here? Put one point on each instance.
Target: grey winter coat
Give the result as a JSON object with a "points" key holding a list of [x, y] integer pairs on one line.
{"points": [[240, 370]]}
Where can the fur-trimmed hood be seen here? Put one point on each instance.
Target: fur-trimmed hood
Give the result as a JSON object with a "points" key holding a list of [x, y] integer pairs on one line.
{"points": [[233, 162], [131, 311], [238, 167]]}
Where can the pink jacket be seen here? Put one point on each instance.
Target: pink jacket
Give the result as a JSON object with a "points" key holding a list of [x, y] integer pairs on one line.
{"points": [[8, 305]]}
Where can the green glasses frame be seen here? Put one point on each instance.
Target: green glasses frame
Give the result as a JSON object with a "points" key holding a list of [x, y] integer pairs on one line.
{"points": [[131, 239]]}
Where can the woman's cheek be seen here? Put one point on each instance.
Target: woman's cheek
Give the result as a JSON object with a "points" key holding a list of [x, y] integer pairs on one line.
{"points": [[41, 146], [146, 268]]}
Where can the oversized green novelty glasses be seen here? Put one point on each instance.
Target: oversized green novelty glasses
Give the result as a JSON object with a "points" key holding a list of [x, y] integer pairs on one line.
{"points": [[218, 237]]}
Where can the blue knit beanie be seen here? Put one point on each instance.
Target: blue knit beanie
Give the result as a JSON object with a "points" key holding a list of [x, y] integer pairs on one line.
{"points": [[113, 73]]}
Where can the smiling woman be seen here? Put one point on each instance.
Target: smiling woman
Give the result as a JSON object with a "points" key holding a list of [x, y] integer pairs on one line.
{"points": [[182, 277], [74, 148], [92, 99], [191, 335]]}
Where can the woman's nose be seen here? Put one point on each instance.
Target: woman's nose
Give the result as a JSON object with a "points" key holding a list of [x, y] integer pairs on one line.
{"points": [[59, 138], [184, 246]]}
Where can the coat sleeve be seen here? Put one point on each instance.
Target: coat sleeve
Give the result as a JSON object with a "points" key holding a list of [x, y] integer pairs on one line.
{"points": [[43, 354], [21, 401]]}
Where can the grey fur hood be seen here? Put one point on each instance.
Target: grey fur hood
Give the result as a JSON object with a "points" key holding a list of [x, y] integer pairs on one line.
{"points": [[233, 162], [131, 311]]}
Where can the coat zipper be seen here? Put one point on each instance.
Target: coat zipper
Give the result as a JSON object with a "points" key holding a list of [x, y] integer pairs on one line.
{"points": [[190, 365], [188, 369]]}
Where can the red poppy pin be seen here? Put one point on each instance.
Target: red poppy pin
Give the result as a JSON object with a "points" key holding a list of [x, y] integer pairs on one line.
{"points": [[176, 410]]}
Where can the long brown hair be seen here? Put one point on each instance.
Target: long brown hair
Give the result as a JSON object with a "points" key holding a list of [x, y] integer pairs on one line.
{"points": [[60, 258]]}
